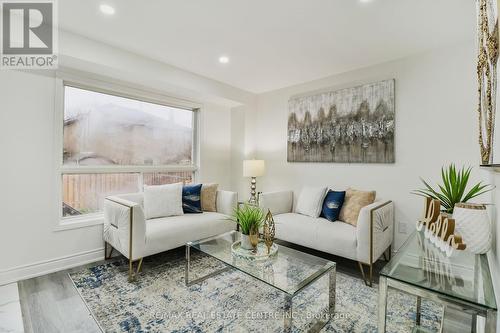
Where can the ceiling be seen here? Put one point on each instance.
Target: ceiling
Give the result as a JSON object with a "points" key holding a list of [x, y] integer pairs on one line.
{"points": [[272, 44]]}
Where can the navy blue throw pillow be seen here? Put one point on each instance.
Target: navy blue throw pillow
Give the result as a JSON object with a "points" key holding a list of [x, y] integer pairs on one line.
{"points": [[191, 199], [332, 204]]}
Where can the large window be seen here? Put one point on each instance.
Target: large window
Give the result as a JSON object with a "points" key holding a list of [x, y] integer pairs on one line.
{"points": [[114, 145]]}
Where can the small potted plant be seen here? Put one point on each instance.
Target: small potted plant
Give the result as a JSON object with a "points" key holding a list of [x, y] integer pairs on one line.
{"points": [[453, 189], [250, 219], [472, 221]]}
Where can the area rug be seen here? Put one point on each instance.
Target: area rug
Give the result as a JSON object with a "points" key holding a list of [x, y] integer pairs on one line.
{"points": [[159, 301]]}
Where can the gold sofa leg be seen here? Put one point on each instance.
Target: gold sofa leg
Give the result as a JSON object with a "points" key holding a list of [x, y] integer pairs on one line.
{"points": [[139, 266], [368, 281], [106, 255], [388, 253], [132, 273]]}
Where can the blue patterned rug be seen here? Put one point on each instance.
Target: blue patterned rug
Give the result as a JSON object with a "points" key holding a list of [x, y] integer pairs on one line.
{"points": [[159, 301]]}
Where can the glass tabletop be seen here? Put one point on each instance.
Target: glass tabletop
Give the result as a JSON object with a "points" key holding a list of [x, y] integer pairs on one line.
{"points": [[288, 270], [464, 275]]}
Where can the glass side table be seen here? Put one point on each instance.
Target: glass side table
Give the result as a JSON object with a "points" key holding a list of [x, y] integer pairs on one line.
{"points": [[461, 282]]}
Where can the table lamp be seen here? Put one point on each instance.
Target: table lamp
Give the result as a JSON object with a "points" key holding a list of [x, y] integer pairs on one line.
{"points": [[253, 168]]}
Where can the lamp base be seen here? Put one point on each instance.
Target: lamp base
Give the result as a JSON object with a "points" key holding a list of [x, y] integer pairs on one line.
{"points": [[253, 193], [253, 201]]}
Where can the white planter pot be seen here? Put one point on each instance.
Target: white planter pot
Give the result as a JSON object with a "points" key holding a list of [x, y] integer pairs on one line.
{"points": [[473, 224], [245, 242]]}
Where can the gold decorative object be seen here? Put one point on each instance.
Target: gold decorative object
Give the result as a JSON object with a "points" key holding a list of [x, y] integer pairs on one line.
{"points": [[487, 76], [254, 237], [439, 228], [269, 230], [260, 254]]}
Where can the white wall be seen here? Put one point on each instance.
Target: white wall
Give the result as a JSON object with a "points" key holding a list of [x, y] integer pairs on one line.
{"points": [[244, 146], [432, 89], [27, 177], [215, 146], [435, 125], [28, 243]]}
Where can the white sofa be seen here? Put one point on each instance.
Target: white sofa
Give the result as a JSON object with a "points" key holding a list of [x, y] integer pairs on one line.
{"points": [[127, 231], [364, 243]]}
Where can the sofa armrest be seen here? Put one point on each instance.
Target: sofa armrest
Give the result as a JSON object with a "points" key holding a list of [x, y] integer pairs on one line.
{"points": [[374, 230], [124, 226], [227, 202], [277, 202]]}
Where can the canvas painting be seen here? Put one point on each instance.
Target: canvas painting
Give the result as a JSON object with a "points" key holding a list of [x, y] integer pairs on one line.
{"points": [[352, 125]]}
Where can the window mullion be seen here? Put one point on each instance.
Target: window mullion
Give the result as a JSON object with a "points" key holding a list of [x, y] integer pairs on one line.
{"points": [[70, 169]]}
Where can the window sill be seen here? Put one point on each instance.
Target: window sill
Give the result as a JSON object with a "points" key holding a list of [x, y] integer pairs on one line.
{"points": [[80, 222]]}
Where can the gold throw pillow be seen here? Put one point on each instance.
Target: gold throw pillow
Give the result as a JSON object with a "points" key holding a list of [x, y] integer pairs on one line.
{"points": [[353, 202], [209, 197]]}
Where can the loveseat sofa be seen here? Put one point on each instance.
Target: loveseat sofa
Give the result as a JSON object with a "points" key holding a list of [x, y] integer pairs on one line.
{"points": [[127, 230], [365, 242]]}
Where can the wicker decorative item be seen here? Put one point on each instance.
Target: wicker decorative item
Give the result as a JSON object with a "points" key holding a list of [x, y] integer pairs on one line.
{"points": [[269, 230], [487, 77]]}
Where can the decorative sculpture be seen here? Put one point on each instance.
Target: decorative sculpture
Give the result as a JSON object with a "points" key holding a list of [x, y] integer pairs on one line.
{"points": [[487, 77], [254, 238], [439, 228], [269, 230]]}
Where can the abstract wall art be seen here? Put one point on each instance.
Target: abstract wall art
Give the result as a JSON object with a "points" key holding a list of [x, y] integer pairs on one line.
{"points": [[352, 125]]}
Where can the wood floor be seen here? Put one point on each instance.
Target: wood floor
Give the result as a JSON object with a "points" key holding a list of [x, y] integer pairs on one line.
{"points": [[51, 303]]}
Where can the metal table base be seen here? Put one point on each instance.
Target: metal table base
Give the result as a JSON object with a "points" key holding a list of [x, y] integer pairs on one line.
{"points": [[476, 310], [317, 325]]}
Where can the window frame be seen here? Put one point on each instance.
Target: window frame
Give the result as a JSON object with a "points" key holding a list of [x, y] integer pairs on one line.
{"points": [[121, 90]]}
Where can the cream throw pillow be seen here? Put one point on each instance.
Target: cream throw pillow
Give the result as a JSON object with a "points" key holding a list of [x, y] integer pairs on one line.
{"points": [[353, 202], [209, 197], [310, 201], [162, 200]]}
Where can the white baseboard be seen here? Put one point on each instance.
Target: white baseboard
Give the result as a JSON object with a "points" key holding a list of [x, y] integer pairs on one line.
{"points": [[49, 266]]}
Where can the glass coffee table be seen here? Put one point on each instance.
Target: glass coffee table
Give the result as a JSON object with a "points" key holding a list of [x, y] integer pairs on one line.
{"points": [[290, 271], [460, 283]]}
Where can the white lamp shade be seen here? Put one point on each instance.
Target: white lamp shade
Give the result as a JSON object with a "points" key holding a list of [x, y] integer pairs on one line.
{"points": [[253, 168]]}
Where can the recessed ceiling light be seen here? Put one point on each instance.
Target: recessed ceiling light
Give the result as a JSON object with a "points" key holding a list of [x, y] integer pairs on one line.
{"points": [[223, 59], [365, 1], [107, 9]]}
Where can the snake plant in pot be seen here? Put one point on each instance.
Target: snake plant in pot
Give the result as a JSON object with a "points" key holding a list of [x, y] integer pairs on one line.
{"points": [[471, 220], [453, 189], [250, 219]]}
